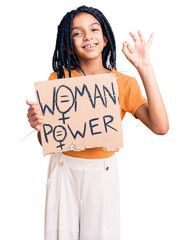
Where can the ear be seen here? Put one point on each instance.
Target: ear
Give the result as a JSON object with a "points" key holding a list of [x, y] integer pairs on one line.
{"points": [[105, 40]]}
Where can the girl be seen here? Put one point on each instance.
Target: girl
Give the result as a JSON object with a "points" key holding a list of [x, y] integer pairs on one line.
{"points": [[82, 200]]}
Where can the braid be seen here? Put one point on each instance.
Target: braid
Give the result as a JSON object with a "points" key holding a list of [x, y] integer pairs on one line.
{"points": [[110, 50], [64, 56], [68, 62]]}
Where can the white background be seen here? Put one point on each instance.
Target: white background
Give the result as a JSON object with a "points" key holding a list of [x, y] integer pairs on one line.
{"points": [[153, 169]]}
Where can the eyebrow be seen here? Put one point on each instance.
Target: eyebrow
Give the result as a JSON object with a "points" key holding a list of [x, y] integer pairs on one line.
{"points": [[89, 26]]}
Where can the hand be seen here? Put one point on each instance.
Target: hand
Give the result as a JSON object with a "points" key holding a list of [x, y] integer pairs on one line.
{"points": [[138, 54], [35, 117]]}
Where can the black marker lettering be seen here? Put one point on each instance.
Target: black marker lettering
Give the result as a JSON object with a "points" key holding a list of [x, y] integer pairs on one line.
{"points": [[45, 131], [43, 109], [92, 126], [106, 123], [78, 132]]}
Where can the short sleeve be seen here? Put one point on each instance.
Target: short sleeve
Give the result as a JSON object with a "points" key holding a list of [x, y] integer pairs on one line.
{"points": [[133, 97], [53, 76]]}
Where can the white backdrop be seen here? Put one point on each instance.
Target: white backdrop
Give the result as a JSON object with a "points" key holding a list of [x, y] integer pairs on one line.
{"points": [[153, 169]]}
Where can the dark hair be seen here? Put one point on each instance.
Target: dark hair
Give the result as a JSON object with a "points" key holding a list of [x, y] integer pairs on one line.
{"points": [[64, 46]]}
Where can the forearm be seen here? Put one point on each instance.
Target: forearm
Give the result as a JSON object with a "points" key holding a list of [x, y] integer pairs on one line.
{"points": [[156, 109], [39, 137]]}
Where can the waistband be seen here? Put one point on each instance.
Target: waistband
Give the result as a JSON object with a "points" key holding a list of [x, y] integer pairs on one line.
{"points": [[83, 163]]}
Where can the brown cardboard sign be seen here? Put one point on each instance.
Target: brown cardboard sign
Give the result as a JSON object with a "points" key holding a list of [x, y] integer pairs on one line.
{"points": [[80, 112]]}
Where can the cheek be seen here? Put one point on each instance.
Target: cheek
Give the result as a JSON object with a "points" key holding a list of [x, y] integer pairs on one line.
{"points": [[76, 43], [102, 39]]}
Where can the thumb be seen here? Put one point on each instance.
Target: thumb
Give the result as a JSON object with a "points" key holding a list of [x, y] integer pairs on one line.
{"points": [[30, 102]]}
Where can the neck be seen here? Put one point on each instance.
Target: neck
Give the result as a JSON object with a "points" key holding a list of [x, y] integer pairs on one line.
{"points": [[92, 67]]}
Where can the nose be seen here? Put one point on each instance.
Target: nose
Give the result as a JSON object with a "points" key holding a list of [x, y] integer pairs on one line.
{"points": [[87, 36]]}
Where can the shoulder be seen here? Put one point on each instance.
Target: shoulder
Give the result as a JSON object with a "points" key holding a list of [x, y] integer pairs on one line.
{"points": [[53, 76]]}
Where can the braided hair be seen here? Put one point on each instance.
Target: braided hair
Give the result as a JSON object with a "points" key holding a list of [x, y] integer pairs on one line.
{"points": [[64, 56]]}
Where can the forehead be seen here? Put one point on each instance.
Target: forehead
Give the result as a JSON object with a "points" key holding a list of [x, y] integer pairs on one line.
{"points": [[83, 20]]}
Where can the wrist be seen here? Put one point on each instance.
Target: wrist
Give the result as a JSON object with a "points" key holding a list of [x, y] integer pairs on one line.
{"points": [[144, 68]]}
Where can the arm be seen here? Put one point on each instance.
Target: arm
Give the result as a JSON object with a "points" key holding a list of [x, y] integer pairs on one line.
{"points": [[39, 137], [153, 114]]}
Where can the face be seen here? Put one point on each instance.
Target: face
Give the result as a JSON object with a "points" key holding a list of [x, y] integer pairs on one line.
{"points": [[87, 37]]}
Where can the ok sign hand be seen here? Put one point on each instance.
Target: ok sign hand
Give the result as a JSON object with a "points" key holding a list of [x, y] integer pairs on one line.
{"points": [[138, 54]]}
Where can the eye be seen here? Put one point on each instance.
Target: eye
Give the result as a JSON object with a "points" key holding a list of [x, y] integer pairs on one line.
{"points": [[76, 34], [95, 29]]}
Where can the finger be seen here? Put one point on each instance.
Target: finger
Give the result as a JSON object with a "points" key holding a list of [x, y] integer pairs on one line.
{"points": [[125, 50], [37, 127], [34, 108], [32, 112], [36, 124], [36, 117], [127, 47], [141, 36], [150, 40], [135, 38]]}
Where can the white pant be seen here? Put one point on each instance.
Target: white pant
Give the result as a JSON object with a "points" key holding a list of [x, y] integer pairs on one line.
{"points": [[82, 199]]}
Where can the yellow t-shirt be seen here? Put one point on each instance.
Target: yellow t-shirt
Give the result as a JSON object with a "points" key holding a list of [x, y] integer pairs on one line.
{"points": [[130, 99]]}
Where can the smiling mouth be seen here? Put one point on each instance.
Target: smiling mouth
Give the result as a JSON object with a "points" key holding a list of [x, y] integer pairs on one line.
{"points": [[90, 46]]}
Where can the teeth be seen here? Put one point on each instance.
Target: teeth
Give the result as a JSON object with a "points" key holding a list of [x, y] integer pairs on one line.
{"points": [[90, 46]]}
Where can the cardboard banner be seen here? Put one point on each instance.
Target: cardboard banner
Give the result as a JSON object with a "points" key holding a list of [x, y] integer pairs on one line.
{"points": [[80, 112]]}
